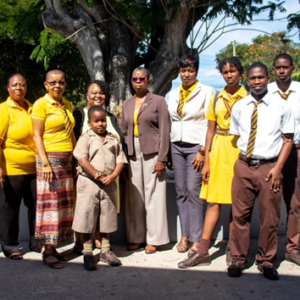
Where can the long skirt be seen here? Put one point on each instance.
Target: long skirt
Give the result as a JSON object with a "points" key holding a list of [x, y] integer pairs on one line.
{"points": [[54, 209]]}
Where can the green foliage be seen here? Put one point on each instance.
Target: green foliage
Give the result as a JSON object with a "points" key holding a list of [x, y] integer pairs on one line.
{"points": [[22, 36], [264, 48]]}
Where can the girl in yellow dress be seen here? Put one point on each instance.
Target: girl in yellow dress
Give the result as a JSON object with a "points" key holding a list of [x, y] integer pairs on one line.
{"points": [[221, 153]]}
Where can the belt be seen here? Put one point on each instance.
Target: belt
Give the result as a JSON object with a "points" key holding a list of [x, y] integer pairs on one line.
{"points": [[297, 145], [256, 162], [185, 144], [224, 132]]}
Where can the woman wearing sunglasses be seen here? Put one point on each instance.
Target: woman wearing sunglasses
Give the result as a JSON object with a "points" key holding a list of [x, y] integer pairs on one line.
{"points": [[54, 140], [187, 106], [145, 124]]}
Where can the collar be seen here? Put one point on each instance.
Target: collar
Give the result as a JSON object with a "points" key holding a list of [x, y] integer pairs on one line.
{"points": [[241, 92], [11, 103], [293, 87], [190, 89], [265, 99], [52, 101], [108, 137]]}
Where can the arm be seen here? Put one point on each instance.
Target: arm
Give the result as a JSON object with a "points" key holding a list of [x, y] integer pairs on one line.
{"points": [[164, 132], [107, 180], [209, 136], [275, 173], [38, 130], [88, 168], [78, 115], [1, 171]]}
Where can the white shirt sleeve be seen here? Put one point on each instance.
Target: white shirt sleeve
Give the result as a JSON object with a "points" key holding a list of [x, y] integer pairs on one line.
{"points": [[234, 122], [288, 122]]}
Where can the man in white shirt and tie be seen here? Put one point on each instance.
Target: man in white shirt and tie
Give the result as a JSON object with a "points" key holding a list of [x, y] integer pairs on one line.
{"points": [[288, 90], [259, 120]]}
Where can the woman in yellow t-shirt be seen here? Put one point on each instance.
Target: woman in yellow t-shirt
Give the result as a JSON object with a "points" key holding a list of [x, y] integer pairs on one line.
{"points": [[17, 166], [54, 140], [219, 159]]}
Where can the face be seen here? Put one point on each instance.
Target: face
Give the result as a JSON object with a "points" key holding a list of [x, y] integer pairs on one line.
{"points": [[17, 88], [140, 81], [95, 96], [283, 70], [188, 76], [98, 122], [55, 85], [257, 80], [231, 75]]}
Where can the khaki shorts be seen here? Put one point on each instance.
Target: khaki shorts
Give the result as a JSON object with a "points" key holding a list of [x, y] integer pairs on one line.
{"points": [[96, 207]]}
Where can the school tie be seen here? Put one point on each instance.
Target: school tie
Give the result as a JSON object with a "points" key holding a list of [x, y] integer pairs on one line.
{"points": [[68, 125], [183, 95], [229, 108], [252, 135], [284, 96]]}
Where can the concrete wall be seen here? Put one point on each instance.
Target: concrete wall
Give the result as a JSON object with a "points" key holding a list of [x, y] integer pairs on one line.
{"points": [[220, 232]]}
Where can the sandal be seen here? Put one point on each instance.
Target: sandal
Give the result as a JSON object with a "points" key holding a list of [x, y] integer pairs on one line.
{"points": [[183, 245], [16, 256], [58, 255], [52, 264]]}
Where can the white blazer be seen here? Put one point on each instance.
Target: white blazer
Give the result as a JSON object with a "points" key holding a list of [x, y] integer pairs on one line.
{"points": [[192, 127]]}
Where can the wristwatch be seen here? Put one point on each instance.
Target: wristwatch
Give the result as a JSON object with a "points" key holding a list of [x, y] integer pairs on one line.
{"points": [[45, 165], [98, 175]]}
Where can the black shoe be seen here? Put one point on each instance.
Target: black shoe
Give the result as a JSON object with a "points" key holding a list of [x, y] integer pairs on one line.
{"points": [[89, 262], [269, 272], [236, 268]]}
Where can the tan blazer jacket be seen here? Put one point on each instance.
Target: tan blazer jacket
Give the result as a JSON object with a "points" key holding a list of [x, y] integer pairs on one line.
{"points": [[154, 126]]}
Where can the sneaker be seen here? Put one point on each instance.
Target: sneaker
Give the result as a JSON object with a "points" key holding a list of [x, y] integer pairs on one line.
{"points": [[110, 258], [89, 262], [269, 272], [293, 257], [236, 268]]}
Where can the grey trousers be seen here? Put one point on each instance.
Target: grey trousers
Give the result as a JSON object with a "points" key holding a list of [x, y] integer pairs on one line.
{"points": [[188, 183], [146, 209]]}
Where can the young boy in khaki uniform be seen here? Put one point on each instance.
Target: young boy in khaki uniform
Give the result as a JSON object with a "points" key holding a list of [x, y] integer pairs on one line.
{"points": [[101, 160]]}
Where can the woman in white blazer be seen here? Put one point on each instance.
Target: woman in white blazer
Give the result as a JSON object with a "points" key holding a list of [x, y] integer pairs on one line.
{"points": [[187, 107]]}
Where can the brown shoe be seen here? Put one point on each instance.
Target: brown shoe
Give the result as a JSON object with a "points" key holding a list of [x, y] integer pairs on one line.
{"points": [[110, 258], [293, 257], [149, 249], [183, 245], [194, 260], [192, 250], [228, 257], [135, 246]]}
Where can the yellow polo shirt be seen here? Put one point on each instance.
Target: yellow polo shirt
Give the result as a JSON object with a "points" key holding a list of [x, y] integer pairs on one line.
{"points": [[16, 135], [54, 137]]}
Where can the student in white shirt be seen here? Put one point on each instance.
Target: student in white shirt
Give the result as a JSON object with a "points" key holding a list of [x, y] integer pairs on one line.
{"points": [[259, 120], [288, 90]]}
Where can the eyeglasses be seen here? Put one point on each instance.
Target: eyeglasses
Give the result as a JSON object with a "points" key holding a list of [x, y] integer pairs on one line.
{"points": [[53, 83], [141, 79]]}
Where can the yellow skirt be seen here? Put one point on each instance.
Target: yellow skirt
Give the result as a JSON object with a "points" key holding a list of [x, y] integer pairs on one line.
{"points": [[222, 158]]}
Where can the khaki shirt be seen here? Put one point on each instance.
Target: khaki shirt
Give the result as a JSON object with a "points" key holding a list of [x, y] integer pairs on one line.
{"points": [[102, 155]]}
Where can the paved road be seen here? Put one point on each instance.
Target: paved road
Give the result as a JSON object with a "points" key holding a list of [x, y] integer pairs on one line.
{"points": [[144, 276]]}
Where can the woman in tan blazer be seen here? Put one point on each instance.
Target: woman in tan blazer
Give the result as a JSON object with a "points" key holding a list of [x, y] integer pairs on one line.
{"points": [[145, 125]]}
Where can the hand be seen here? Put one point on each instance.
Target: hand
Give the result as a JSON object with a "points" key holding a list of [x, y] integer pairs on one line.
{"points": [[198, 162], [159, 168], [2, 180], [107, 180], [276, 181], [75, 170], [205, 172], [47, 174]]}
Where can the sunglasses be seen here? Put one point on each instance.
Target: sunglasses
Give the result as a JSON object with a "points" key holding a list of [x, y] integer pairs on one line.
{"points": [[53, 83], [141, 79]]}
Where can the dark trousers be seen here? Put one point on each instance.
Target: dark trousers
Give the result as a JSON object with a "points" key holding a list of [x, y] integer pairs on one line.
{"points": [[249, 183], [188, 184], [291, 194], [16, 188]]}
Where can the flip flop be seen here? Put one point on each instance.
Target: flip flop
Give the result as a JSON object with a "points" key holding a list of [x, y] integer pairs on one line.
{"points": [[52, 264]]}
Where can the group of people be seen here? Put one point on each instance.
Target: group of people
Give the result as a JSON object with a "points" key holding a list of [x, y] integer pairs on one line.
{"points": [[226, 148]]}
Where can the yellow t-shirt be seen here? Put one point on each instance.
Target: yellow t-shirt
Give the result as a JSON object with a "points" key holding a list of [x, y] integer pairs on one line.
{"points": [[54, 137], [218, 113], [16, 133]]}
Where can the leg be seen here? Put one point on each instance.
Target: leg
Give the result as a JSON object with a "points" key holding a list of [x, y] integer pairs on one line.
{"points": [[155, 204], [179, 167], [88, 258], [135, 204], [106, 254], [10, 200], [291, 196]]}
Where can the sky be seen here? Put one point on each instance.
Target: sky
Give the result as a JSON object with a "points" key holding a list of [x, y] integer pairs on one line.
{"points": [[208, 74]]}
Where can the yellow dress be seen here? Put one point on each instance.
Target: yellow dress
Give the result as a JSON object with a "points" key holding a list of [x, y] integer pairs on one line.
{"points": [[223, 153]]}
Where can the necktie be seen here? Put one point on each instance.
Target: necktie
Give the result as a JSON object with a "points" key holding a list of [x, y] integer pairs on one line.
{"points": [[252, 135], [68, 125], [284, 96], [229, 108], [183, 95]]}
